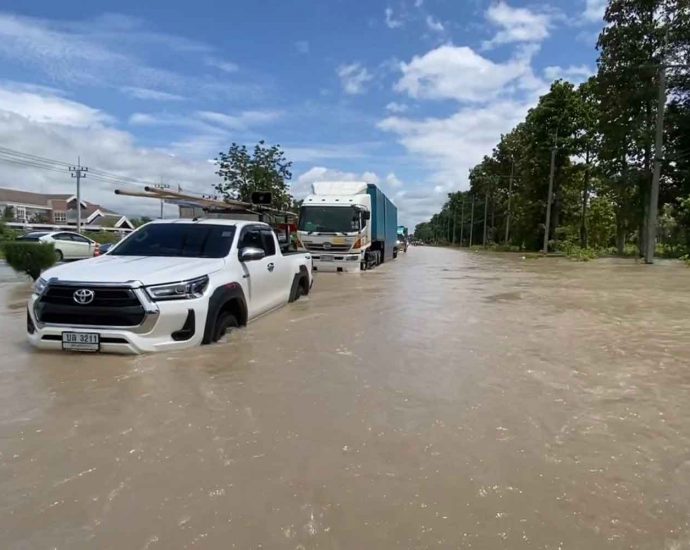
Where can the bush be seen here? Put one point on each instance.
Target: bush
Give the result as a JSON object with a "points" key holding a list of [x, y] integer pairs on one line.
{"points": [[29, 257]]}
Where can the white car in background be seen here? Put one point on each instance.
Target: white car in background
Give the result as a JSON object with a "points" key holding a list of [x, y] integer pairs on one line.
{"points": [[68, 245]]}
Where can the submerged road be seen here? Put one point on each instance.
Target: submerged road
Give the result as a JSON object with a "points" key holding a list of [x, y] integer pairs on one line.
{"points": [[446, 400]]}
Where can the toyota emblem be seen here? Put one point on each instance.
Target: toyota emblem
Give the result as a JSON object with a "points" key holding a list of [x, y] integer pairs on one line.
{"points": [[83, 296], [326, 246]]}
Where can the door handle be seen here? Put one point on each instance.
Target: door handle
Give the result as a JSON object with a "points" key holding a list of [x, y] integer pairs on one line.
{"points": [[270, 267]]}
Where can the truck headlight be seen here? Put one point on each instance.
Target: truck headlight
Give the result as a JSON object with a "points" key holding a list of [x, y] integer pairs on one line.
{"points": [[40, 285], [182, 290]]}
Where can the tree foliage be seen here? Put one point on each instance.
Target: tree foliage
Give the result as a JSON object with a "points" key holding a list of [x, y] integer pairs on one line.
{"points": [[265, 168], [604, 131]]}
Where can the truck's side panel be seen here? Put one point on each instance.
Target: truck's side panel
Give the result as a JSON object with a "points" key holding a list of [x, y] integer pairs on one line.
{"points": [[384, 220]]}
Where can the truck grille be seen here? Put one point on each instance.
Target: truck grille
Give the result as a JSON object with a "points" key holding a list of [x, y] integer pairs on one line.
{"points": [[111, 306], [327, 247]]}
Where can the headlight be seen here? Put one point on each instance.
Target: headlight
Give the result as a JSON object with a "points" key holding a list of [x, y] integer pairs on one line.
{"points": [[183, 290], [40, 285]]}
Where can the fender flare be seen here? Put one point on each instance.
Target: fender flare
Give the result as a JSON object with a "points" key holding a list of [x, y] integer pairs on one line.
{"points": [[302, 274], [222, 296]]}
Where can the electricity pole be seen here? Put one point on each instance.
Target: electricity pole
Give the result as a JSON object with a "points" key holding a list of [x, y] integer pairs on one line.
{"points": [[510, 196], [462, 221], [78, 172], [472, 222], [486, 212], [162, 186], [454, 220], [547, 225]]}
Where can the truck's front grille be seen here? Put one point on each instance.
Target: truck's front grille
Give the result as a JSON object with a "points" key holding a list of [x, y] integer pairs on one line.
{"points": [[110, 307], [327, 247]]}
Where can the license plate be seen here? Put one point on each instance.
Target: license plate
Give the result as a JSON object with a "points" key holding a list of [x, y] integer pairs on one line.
{"points": [[81, 341], [326, 258]]}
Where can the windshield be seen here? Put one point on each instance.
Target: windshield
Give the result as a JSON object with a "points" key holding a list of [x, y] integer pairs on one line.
{"points": [[31, 236], [329, 219], [185, 240]]}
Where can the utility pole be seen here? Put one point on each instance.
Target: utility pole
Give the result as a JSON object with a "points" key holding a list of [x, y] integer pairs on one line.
{"points": [[510, 196], [547, 225], [472, 222], [486, 212], [454, 223], [78, 172], [462, 221], [162, 186]]}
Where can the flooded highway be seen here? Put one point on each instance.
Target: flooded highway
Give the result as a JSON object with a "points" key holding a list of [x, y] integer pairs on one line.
{"points": [[446, 400]]}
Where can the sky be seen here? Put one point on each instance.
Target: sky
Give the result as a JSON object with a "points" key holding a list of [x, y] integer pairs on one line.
{"points": [[408, 94]]}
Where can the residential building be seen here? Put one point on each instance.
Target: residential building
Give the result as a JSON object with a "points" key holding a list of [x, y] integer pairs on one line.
{"points": [[25, 209]]}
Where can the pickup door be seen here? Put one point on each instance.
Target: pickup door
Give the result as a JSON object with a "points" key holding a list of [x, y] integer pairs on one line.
{"points": [[265, 277]]}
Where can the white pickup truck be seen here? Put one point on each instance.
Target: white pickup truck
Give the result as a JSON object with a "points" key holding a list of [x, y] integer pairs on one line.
{"points": [[171, 284]]}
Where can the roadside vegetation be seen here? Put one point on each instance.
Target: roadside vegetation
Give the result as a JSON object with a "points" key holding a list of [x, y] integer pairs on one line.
{"points": [[29, 257], [603, 132]]}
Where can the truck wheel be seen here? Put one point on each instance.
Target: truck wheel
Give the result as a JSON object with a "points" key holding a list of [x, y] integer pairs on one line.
{"points": [[225, 323]]}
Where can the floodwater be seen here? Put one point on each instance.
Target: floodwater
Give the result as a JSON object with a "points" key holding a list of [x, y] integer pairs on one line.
{"points": [[447, 400]]}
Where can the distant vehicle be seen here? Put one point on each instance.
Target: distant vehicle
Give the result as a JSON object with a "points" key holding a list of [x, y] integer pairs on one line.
{"points": [[169, 285], [68, 245], [403, 238], [348, 226]]}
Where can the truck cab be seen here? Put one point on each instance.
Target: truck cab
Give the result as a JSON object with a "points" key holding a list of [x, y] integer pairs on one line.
{"points": [[346, 226]]}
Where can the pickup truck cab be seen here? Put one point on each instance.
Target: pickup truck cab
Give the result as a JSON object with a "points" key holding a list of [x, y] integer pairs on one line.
{"points": [[169, 285]]}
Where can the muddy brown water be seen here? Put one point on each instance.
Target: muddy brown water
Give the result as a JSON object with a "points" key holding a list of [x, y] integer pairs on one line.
{"points": [[448, 400]]}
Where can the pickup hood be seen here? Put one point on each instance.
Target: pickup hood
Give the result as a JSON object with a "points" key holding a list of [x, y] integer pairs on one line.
{"points": [[150, 270]]}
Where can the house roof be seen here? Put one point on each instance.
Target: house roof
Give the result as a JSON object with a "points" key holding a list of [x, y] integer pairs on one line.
{"points": [[56, 201]]}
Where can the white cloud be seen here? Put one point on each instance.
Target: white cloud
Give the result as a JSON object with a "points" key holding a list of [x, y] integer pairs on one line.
{"points": [[434, 24], [302, 47], [148, 94], [517, 24], [354, 78], [64, 129], [391, 21], [225, 66], [321, 152], [573, 73], [240, 121], [458, 72], [594, 10], [395, 107], [393, 181], [302, 185], [53, 109], [107, 52]]}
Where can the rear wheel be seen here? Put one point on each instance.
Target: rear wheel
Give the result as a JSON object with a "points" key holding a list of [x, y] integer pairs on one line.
{"points": [[59, 256], [225, 324]]}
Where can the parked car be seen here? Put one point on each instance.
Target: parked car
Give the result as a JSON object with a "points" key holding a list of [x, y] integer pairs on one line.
{"points": [[171, 284], [68, 245]]}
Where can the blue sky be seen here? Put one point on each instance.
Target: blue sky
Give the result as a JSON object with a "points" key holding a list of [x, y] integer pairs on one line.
{"points": [[409, 93]]}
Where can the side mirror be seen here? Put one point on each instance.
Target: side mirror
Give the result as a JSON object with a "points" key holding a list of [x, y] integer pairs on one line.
{"points": [[251, 254], [366, 215]]}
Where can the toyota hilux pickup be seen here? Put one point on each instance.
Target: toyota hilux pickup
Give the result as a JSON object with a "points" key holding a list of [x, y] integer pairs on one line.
{"points": [[169, 285]]}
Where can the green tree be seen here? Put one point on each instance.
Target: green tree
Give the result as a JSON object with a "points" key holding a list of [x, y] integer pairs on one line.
{"points": [[264, 169]]}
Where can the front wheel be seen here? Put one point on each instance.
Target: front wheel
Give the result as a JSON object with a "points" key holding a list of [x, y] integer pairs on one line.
{"points": [[59, 256], [225, 324]]}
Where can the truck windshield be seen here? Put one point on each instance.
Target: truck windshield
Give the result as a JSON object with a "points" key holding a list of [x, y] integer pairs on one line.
{"points": [[329, 219], [184, 240]]}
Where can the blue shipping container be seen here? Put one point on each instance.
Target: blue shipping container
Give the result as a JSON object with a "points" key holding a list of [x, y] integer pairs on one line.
{"points": [[384, 221]]}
